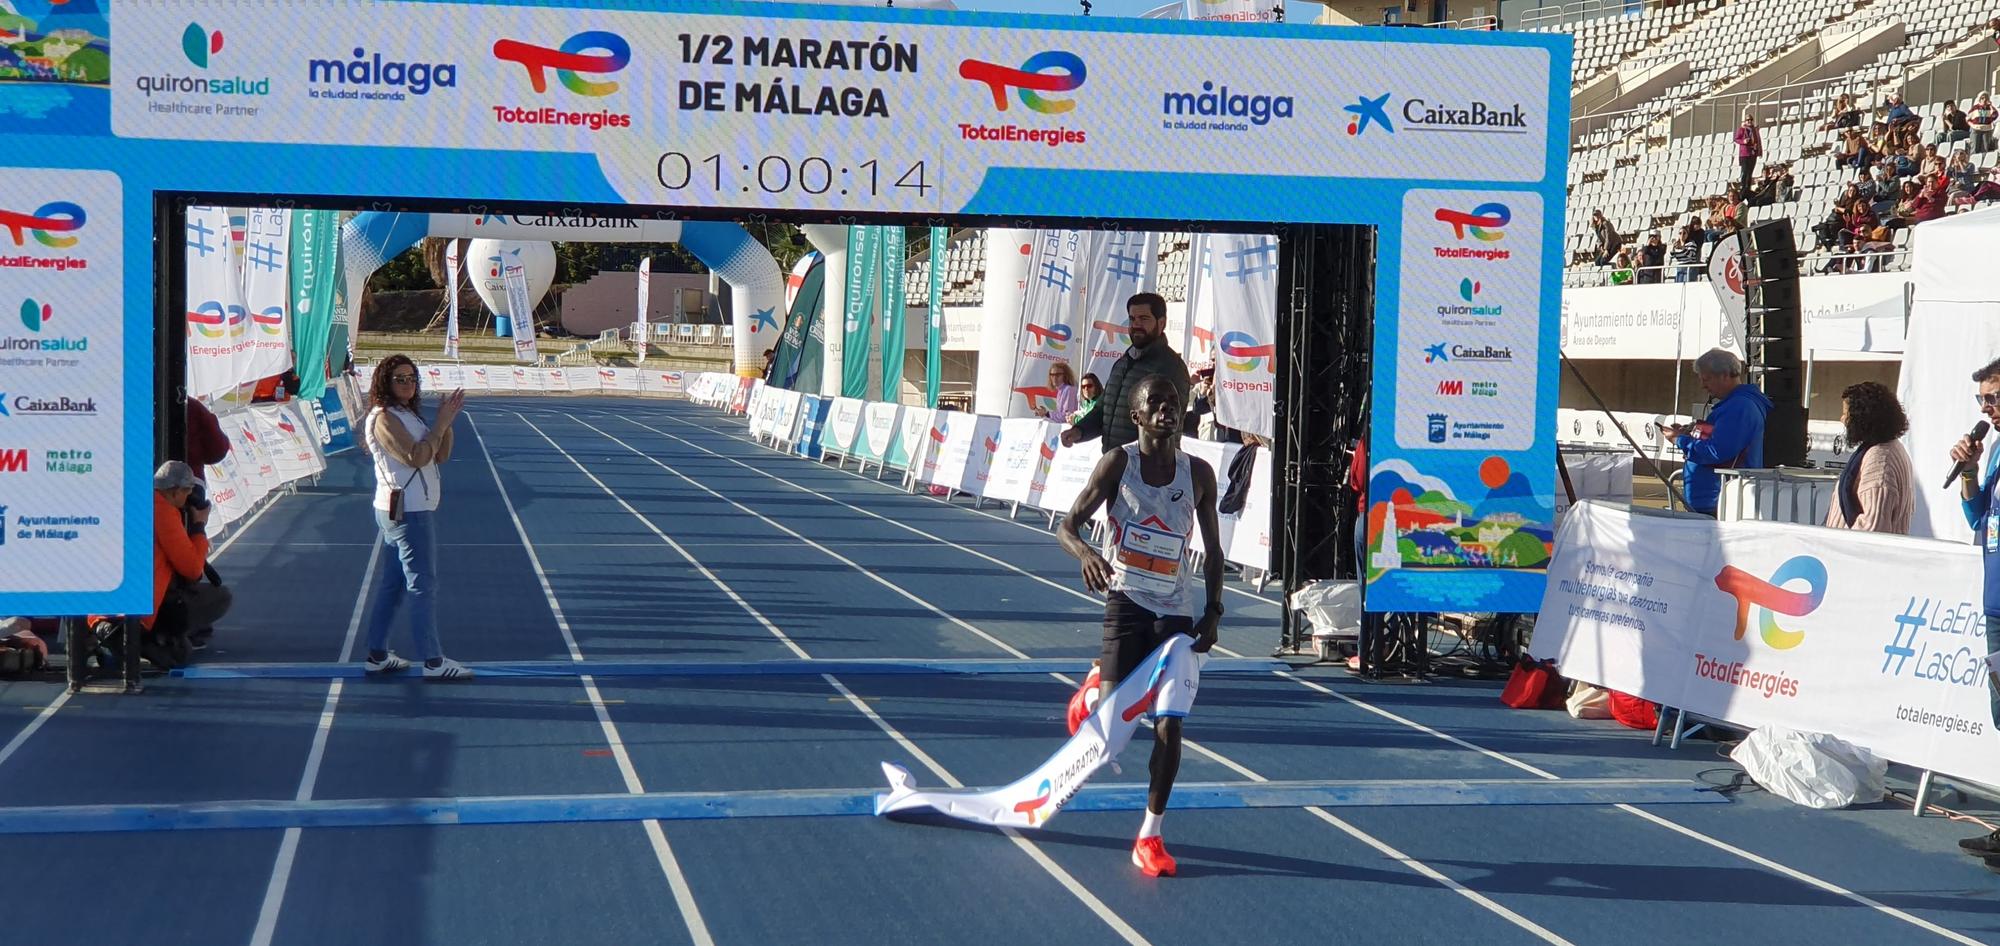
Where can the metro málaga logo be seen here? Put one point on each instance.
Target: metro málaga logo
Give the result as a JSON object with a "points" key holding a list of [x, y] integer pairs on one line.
{"points": [[1038, 82], [593, 53]]}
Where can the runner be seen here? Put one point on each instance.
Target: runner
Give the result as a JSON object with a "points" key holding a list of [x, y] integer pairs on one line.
{"points": [[1157, 494]]}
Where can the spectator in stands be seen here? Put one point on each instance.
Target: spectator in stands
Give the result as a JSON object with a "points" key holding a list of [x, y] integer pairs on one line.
{"points": [[1062, 379], [1687, 252], [1749, 147], [1652, 258], [1622, 267], [407, 452], [1904, 163], [1900, 119], [1961, 177], [1088, 391], [1856, 152], [206, 444], [1731, 438], [1718, 216], [1877, 490], [1980, 119], [1986, 190], [1879, 189], [1932, 163], [1956, 126], [1607, 237], [1845, 115], [1929, 204], [1858, 229]]}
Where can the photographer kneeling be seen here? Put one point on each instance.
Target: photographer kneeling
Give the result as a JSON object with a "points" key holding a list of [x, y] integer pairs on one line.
{"points": [[182, 602]]}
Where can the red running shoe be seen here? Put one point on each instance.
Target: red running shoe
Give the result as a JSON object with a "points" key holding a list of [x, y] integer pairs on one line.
{"points": [[1083, 701], [1151, 857]]}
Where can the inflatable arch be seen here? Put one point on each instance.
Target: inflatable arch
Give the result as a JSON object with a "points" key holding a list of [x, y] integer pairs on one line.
{"points": [[757, 285]]}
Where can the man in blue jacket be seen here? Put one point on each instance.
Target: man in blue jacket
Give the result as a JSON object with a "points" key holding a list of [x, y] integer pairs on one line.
{"points": [[1735, 426], [1982, 512]]}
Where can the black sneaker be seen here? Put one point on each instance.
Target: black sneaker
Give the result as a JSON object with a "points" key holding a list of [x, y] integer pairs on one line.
{"points": [[1985, 845]]}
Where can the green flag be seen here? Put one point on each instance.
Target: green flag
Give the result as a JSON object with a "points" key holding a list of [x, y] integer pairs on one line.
{"points": [[934, 320], [894, 252], [315, 272], [864, 254]]}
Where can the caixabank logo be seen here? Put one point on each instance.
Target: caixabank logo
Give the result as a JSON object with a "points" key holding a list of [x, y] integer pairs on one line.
{"points": [[213, 89], [1042, 85], [584, 65], [51, 230]]}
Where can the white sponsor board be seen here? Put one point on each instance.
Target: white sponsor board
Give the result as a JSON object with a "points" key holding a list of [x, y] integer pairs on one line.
{"points": [[1019, 472], [843, 424], [1770, 624]]}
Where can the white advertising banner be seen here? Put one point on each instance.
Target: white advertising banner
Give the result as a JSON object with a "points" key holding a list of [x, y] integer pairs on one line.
{"points": [[1120, 264], [226, 492], [286, 460], [913, 437], [267, 275], [622, 380], [1241, 289], [1239, 11], [258, 466], [218, 340], [63, 403], [843, 424], [1725, 277], [1653, 322], [520, 310], [1192, 327], [937, 443], [1019, 473], [477, 378], [1049, 309], [1763, 624], [662, 383], [1068, 473], [582, 379], [1249, 542], [880, 423], [451, 250]]}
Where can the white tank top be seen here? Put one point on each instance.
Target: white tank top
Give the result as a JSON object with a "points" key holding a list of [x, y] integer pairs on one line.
{"points": [[1148, 538], [421, 488]]}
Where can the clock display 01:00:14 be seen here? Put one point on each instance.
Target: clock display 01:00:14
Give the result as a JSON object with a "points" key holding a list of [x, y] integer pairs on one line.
{"points": [[777, 174]]}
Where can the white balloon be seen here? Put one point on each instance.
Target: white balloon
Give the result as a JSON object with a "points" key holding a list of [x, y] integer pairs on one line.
{"points": [[483, 259]]}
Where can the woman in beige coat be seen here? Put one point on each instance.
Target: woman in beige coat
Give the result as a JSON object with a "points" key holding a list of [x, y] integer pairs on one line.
{"points": [[1877, 491]]}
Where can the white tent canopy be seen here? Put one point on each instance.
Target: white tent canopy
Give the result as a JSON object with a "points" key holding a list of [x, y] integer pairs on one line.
{"points": [[1954, 331]]}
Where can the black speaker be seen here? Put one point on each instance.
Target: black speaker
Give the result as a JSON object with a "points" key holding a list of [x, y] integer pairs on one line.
{"points": [[1776, 346]]}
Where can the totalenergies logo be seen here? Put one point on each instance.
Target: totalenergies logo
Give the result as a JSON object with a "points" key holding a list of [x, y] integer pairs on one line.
{"points": [[596, 52], [270, 322], [1113, 331], [45, 224], [209, 320], [1033, 78], [1035, 395], [1775, 599], [1241, 352], [1052, 337], [1033, 806], [1483, 223]]}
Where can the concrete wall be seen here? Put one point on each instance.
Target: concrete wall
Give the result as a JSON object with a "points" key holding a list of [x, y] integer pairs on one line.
{"points": [[610, 299]]}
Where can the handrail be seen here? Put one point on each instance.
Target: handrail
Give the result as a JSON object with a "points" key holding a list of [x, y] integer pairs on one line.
{"points": [[1594, 276]]}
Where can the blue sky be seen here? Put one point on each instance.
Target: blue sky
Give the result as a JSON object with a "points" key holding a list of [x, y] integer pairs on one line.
{"points": [[1299, 10]]}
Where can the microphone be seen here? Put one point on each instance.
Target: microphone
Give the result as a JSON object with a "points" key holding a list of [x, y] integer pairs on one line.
{"points": [[1978, 433]]}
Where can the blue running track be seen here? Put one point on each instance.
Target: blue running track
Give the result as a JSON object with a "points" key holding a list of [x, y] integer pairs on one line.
{"points": [[635, 535]]}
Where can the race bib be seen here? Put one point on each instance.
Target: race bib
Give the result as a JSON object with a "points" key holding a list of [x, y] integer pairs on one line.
{"points": [[1992, 533], [1149, 559]]}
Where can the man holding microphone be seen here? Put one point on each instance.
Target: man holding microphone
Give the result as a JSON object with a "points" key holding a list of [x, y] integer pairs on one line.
{"points": [[1982, 512]]}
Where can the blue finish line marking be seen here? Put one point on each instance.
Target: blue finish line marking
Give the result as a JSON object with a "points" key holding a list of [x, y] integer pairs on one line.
{"points": [[744, 668], [690, 806]]}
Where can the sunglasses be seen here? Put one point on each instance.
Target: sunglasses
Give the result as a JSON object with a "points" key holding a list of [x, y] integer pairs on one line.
{"points": [[1987, 399], [403, 378]]}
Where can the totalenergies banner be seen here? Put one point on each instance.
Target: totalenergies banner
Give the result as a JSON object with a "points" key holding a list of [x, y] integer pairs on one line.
{"points": [[1241, 289], [1119, 264], [1237, 11], [1770, 624], [691, 110], [218, 319], [1048, 334]]}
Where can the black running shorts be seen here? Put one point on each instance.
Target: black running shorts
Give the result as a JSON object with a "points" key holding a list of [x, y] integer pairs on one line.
{"points": [[1132, 632]]}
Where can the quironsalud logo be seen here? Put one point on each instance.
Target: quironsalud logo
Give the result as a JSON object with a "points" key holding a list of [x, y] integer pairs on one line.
{"points": [[202, 48], [1772, 598]]}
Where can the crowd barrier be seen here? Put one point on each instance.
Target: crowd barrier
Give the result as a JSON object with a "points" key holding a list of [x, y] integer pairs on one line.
{"points": [[1017, 460], [1876, 639], [271, 448]]}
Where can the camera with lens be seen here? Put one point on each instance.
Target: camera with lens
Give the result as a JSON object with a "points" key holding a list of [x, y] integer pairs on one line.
{"points": [[198, 498]]}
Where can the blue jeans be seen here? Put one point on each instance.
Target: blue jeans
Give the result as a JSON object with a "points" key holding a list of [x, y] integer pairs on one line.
{"points": [[1993, 647], [408, 574]]}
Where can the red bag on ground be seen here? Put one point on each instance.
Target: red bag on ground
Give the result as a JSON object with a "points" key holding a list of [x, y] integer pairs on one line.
{"points": [[1634, 712], [1534, 685]]}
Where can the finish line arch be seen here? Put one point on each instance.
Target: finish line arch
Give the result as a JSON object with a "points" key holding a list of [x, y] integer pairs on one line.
{"points": [[709, 109]]}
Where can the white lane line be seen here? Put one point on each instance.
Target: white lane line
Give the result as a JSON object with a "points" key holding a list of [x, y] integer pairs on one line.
{"points": [[1723, 846], [1038, 530], [663, 852], [1042, 860], [288, 848], [242, 529], [14, 744], [836, 556], [1419, 867]]}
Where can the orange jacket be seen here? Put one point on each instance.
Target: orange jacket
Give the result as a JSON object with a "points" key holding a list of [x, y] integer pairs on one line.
{"points": [[174, 552]]}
